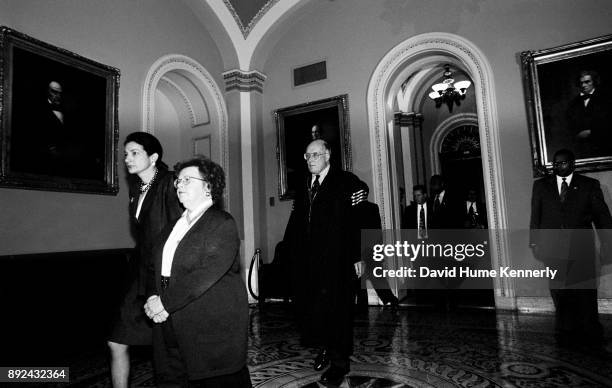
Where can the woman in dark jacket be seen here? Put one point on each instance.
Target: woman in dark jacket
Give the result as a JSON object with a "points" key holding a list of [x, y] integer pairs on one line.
{"points": [[196, 293], [153, 206]]}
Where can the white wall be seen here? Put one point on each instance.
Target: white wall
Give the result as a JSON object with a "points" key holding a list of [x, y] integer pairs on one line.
{"points": [[129, 35], [353, 35]]}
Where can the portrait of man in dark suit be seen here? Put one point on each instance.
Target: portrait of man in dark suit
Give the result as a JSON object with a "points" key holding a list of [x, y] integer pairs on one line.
{"points": [[568, 105], [564, 209], [588, 117], [299, 125], [58, 119]]}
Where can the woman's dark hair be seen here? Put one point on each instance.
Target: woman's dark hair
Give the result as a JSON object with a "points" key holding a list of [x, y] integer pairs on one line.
{"points": [[150, 144], [210, 171]]}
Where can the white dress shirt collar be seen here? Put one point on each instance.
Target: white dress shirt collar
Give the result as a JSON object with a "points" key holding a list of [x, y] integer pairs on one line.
{"points": [[568, 179], [586, 100], [321, 175]]}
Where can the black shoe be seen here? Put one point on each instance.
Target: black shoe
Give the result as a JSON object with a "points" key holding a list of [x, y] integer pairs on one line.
{"points": [[321, 361], [393, 304], [333, 377]]}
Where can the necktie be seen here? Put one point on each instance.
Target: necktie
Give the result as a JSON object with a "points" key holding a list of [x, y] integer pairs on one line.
{"points": [[564, 188], [436, 203], [422, 232], [314, 188], [472, 216]]}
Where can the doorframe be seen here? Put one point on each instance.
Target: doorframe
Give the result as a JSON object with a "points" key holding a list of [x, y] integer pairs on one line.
{"points": [[427, 49]]}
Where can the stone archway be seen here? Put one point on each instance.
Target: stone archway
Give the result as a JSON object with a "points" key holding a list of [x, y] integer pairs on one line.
{"points": [[199, 94], [409, 56]]}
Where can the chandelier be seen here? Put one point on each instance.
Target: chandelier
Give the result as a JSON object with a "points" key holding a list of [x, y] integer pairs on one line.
{"points": [[448, 91]]}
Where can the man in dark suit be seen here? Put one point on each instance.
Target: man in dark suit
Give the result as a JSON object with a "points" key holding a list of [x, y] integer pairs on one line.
{"points": [[367, 216], [588, 117], [54, 129], [474, 212], [418, 215], [324, 251], [420, 225], [51, 128], [444, 205], [564, 209]]}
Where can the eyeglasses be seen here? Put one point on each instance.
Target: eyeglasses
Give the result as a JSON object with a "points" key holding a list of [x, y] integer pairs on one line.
{"points": [[185, 180], [314, 155]]}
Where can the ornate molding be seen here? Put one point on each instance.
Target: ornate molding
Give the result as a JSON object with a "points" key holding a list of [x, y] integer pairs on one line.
{"points": [[177, 62], [181, 93], [249, 27], [244, 81], [404, 119], [442, 130], [454, 47]]}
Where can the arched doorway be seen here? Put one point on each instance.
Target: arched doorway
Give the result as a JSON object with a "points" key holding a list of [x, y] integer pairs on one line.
{"points": [[460, 159], [407, 58], [184, 107]]}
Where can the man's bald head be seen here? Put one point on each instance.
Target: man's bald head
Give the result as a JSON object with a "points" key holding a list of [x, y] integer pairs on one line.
{"points": [[317, 156]]}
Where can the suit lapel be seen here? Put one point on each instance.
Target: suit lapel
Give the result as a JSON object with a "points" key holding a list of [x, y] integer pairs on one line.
{"points": [[133, 205], [552, 187], [324, 185], [327, 182], [148, 200], [573, 188]]}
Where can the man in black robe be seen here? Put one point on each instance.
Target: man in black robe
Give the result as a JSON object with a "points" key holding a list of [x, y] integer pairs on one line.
{"points": [[324, 250]]}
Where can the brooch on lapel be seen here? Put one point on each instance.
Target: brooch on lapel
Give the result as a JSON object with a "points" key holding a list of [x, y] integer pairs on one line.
{"points": [[131, 199]]}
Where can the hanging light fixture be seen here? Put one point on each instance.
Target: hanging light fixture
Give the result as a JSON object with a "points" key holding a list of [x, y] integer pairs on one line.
{"points": [[448, 91]]}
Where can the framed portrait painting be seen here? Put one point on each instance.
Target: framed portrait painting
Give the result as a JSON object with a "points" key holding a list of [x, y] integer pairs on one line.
{"points": [[297, 126], [567, 106], [58, 125]]}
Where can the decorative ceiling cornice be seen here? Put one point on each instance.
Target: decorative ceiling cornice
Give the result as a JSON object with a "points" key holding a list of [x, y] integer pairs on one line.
{"points": [[249, 27]]}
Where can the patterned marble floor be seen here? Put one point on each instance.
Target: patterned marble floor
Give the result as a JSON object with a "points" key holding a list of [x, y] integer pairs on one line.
{"points": [[407, 348]]}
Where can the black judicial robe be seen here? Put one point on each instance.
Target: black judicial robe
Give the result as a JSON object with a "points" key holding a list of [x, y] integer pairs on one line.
{"points": [[324, 248]]}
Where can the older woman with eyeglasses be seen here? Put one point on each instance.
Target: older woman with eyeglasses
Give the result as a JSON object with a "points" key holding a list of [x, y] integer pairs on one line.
{"points": [[196, 293]]}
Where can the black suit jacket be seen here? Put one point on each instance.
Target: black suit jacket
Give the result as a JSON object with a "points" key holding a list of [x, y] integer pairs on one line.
{"points": [[479, 220], [206, 297], [595, 117], [447, 215], [562, 231], [159, 209], [411, 219]]}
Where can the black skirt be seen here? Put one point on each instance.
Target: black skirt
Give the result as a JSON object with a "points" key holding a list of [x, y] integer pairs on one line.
{"points": [[131, 325]]}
